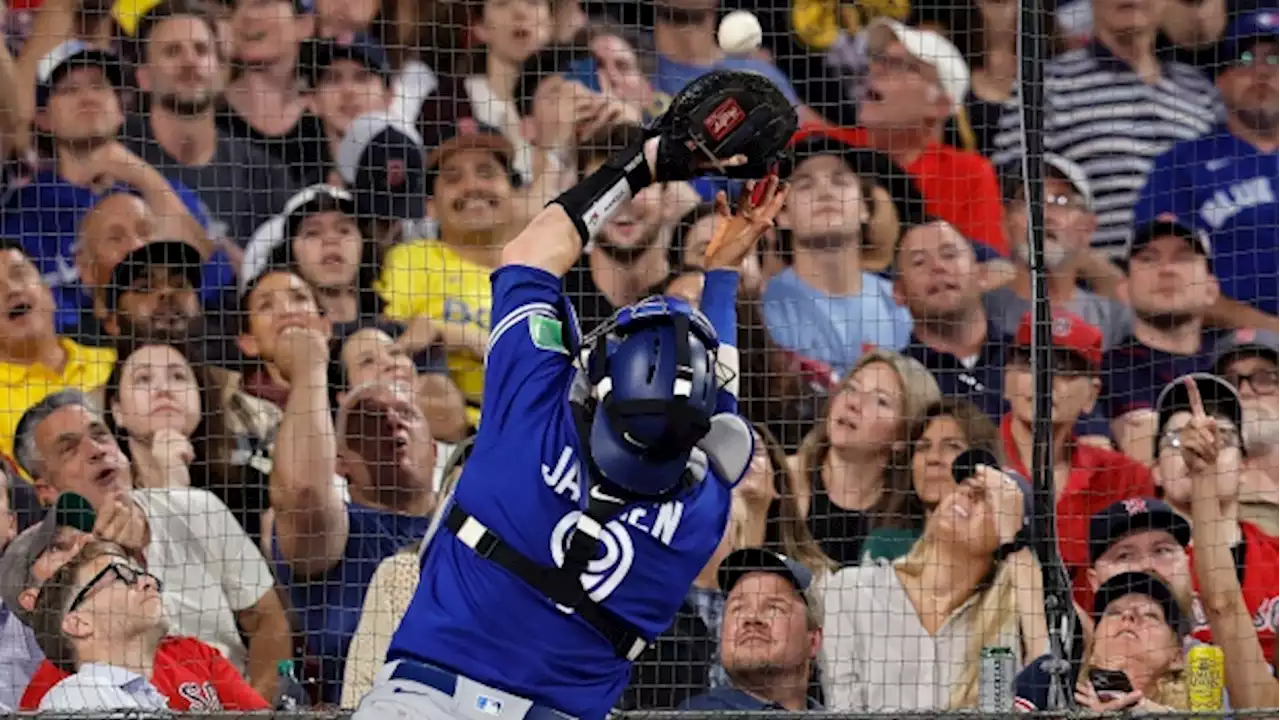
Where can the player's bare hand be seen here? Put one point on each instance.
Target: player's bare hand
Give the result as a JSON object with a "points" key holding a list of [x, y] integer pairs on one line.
{"points": [[303, 344], [1200, 439], [121, 520], [736, 233]]}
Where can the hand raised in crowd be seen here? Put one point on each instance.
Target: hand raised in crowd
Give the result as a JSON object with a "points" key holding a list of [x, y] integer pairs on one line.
{"points": [[420, 333], [122, 521], [164, 461], [111, 163], [1200, 440], [303, 345], [1006, 501], [736, 233]]}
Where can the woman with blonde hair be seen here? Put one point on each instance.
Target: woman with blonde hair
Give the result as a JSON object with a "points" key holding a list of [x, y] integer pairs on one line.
{"points": [[907, 636], [842, 466]]}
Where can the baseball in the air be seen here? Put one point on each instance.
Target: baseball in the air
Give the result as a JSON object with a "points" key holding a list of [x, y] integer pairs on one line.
{"points": [[739, 33]]}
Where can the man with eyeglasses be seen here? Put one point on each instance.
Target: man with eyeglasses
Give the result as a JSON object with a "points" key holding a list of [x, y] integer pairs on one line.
{"points": [[1069, 222], [1248, 360], [1226, 182], [101, 623]]}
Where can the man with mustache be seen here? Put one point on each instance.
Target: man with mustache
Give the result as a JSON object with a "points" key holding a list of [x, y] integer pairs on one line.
{"points": [[1226, 182], [1172, 287], [1069, 222], [182, 71], [1247, 360], [470, 181], [154, 293]]}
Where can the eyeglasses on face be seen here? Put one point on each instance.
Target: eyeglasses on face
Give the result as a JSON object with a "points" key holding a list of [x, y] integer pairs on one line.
{"points": [[123, 572]]}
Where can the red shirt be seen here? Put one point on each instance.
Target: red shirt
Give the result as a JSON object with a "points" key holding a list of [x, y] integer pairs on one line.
{"points": [[1259, 584], [192, 675], [1099, 477], [958, 186]]}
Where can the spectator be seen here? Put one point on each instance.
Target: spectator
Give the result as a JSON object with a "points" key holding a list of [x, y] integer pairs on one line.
{"points": [[326, 548], [382, 162], [101, 621], [34, 360], [625, 61], [1192, 33], [1140, 534], [447, 280], [628, 260], [842, 466], [774, 521], [347, 80], [276, 301], [993, 39], [264, 105], [1255, 554], [1225, 183], [79, 109], [1159, 102], [904, 636], [1091, 477], [388, 351], [1171, 286], [28, 560], [921, 473], [183, 426], [216, 580], [1140, 629], [1068, 226], [343, 21], [1247, 359], [153, 293], [390, 592], [825, 306], [182, 73], [916, 81], [770, 637]]}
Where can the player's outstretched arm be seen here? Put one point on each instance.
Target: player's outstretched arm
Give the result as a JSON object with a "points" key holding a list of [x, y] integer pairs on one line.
{"points": [[310, 522]]}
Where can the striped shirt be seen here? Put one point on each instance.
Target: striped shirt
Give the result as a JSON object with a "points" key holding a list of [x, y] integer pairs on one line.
{"points": [[1099, 113]]}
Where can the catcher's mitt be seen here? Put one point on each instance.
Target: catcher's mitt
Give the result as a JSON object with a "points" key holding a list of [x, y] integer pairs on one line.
{"points": [[719, 115]]}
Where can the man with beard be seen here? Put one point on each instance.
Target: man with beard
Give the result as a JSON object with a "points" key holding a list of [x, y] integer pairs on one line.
{"points": [[153, 293], [325, 548], [182, 72], [1171, 287], [1069, 222], [470, 180], [78, 106], [1247, 360], [825, 306], [770, 636], [627, 261], [1226, 182]]}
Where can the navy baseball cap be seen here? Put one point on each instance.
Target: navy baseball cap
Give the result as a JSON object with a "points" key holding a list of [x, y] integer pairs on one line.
{"points": [[740, 563], [317, 198], [469, 134], [319, 55], [383, 163], [1245, 342], [1139, 583], [69, 510], [173, 254], [1260, 24], [874, 167], [1168, 226], [1132, 515], [68, 56], [1219, 396]]}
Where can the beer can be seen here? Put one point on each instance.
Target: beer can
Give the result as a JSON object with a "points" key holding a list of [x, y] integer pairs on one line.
{"points": [[1206, 677], [996, 676]]}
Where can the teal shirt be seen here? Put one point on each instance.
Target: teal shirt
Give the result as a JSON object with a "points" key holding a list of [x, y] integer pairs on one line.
{"points": [[886, 545]]}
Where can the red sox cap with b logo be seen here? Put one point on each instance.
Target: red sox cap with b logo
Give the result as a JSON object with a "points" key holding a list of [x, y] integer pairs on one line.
{"points": [[1071, 333]]}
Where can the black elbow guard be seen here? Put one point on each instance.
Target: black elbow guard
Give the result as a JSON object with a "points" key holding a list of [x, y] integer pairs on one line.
{"points": [[593, 201]]}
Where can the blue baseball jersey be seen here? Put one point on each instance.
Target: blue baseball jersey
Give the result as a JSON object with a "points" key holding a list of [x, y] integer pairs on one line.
{"points": [[1228, 188], [522, 481]]}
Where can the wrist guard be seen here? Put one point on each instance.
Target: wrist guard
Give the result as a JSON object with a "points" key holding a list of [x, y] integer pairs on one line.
{"points": [[593, 201]]}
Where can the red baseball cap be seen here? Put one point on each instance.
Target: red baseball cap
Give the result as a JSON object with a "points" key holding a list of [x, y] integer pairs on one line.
{"points": [[1070, 332]]}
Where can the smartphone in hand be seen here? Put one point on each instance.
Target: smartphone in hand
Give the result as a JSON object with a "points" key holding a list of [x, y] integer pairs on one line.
{"points": [[1109, 684]]}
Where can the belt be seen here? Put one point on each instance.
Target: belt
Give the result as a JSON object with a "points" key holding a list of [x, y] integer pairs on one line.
{"points": [[446, 682]]}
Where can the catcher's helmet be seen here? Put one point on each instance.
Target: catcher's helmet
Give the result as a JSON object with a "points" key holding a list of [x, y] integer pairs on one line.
{"points": [[653, 373]]}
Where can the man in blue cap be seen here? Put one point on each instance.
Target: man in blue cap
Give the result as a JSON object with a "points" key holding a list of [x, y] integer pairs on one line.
{"points": [[1225, 183], [348, 80]]}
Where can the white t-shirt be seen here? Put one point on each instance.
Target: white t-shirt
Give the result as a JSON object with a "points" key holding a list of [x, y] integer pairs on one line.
{"points": [[209, 566]]}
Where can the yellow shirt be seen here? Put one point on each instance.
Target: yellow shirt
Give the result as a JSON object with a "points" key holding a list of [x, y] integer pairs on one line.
{"points": [[425, 277], [22, 386]]}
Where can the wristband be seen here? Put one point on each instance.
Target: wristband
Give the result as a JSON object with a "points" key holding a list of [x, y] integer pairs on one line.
{"points": [[593, 201]]}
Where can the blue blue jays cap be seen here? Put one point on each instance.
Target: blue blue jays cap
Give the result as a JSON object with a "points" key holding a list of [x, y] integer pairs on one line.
{"points": [[383, 163], [68, 56], [319, 55], [1260, 24]]}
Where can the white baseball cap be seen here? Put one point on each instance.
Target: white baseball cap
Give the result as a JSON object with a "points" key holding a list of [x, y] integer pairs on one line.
{"points": [[932, 48]]}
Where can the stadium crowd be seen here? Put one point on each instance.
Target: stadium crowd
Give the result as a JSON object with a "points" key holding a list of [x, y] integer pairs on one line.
{"points": [[245, 249]]}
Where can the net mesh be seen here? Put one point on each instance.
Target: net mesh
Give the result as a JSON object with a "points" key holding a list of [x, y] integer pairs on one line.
{"points": [[251, 344]]}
